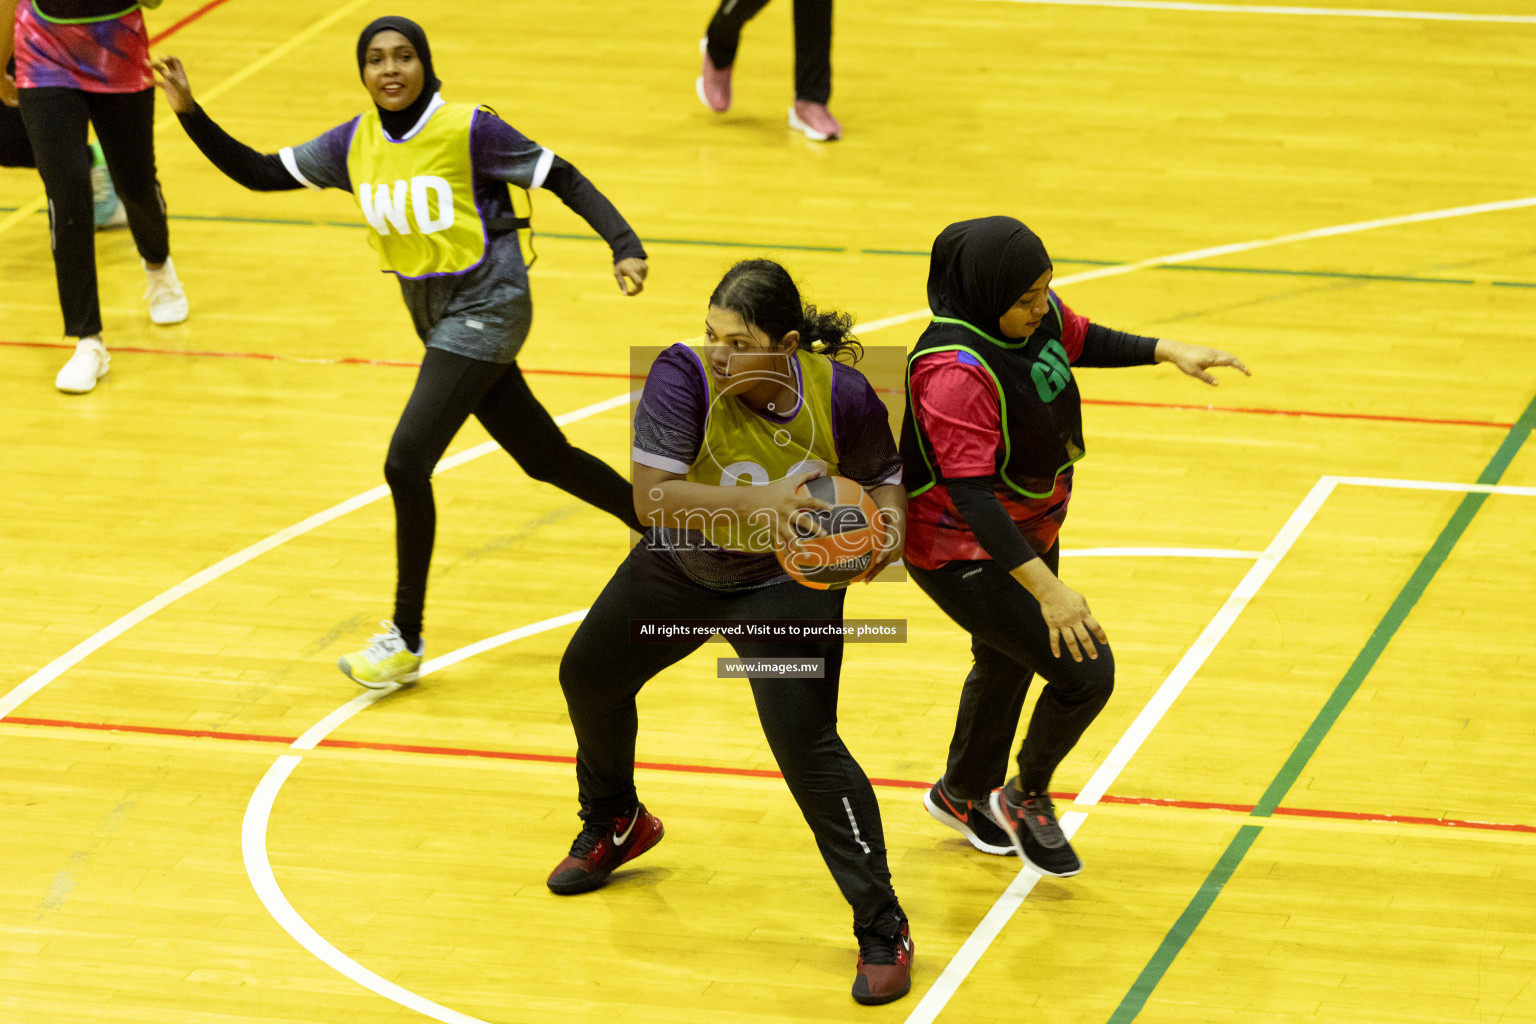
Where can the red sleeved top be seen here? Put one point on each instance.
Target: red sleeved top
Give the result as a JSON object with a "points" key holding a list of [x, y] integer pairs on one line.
{"points": [[955, 401]]}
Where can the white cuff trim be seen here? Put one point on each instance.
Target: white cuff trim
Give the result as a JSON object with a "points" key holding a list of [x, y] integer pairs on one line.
{"points": [[286, 155], [894, 478], [655, 461], [541, 169]]}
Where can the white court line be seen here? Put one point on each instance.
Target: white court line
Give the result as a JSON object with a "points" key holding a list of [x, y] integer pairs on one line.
{"points": [[1325, 12], [1159, 553], [1118, 269], [253, 832], [253, 839], [1098, 784], [975, 945], [1434, 485], [69, 659]]}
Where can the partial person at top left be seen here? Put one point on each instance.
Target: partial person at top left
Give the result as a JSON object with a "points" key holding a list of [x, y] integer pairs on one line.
{"points": [[79, 63]]}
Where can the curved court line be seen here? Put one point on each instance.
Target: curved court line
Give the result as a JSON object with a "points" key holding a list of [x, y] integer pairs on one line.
{"points": [[258, 811], [69, 659], [1325, 12], [1356, 227]]}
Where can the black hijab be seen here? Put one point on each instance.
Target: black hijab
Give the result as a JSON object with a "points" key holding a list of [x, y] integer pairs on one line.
{"points": [[398, 122], [980, 267]]}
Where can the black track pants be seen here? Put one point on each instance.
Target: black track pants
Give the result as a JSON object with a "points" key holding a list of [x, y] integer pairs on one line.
{"points": [[602, 671], [813, 42], [56, 120], [449, 388], [1011, 644]]}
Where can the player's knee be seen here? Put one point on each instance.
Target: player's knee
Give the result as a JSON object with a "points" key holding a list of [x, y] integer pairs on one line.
{"points": [[404, 470]]}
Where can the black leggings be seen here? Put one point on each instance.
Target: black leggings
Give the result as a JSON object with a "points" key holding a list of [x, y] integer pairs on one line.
{"points": [[813, 42], [448, 388], [1011, 643], [56, 121], [603, 670]]}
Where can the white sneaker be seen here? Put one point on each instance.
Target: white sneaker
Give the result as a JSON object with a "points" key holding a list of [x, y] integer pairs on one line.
{"points": [[87, 366], [167, 302]]}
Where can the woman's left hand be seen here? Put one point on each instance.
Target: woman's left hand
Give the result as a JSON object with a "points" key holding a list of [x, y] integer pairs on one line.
{"points": [[631, 271], [8, 94], [1195, 360], [891, 503], [172, 78]]}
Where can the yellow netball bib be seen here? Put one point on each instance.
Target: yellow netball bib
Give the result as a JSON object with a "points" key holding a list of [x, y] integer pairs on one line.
{"points": [[743, 447], [418, 194]]}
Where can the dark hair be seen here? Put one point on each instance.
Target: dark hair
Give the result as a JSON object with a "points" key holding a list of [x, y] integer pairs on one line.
{"points": [[765, 296]]}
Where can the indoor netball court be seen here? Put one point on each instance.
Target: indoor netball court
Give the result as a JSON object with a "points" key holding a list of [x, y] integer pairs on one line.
{"points": [[1309, 800]]}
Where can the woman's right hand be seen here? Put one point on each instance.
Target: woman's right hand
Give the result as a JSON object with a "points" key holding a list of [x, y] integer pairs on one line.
{"points": [[1066, 614], [172, 78], [781, 501], [8, 94]]}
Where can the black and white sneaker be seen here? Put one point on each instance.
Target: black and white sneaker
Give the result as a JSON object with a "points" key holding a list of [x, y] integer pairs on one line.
{"points": [[1036, 834], [971, 818]]}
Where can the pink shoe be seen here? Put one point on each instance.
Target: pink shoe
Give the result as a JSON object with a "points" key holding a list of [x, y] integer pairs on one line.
{"points": [[714, 84], [815, 120]]}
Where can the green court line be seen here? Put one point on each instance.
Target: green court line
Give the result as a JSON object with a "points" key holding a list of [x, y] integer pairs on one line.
{"points": [[1439, 551], [1202, 268]]}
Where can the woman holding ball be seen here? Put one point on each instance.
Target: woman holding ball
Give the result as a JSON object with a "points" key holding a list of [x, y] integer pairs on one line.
{"points": [[762, 401]]}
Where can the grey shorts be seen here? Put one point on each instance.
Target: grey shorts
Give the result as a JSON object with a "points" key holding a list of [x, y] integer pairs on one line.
{"points": [[483, 314]]}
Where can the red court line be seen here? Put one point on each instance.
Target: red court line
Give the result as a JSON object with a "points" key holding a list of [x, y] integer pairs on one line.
{"points": [[756, 773], [184, 22], [1304, 412], [355, 361]]}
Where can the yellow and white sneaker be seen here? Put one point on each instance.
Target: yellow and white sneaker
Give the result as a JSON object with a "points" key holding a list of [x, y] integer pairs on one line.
{"points": [[385, 660]]}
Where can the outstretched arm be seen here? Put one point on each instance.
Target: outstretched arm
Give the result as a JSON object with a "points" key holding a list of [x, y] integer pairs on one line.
{"points": [[260, 172]]}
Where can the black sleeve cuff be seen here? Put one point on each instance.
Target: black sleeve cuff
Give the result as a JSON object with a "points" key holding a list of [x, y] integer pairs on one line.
{"points": [[989, 521], [1104, 346]]}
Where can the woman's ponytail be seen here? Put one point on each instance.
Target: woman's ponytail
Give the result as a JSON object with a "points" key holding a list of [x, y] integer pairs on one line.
{"points": [[830, 334], [765, 296]]}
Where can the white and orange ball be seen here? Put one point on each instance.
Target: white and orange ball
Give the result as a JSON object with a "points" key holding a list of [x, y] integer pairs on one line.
{"points": [[850, 544]]}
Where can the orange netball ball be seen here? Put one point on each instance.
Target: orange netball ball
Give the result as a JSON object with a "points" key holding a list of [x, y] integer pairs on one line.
{"points": [[852, 536]]}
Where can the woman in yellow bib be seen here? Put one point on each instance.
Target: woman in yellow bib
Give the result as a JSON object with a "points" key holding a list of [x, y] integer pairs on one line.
{"points": [[724, 434], [431, 180]]}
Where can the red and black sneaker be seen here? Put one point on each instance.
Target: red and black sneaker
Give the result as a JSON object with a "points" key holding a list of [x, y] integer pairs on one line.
{"points": [[601, 847], [1036, 834], [885, 965], [971, 818]]}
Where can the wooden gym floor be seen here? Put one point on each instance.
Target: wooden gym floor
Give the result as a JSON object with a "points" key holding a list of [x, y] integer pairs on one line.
{"points": [[1310, 798]]}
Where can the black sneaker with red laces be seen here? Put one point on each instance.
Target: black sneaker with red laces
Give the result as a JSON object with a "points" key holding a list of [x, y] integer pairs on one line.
{"points": [[885, 963], [601, 847], [971, 818], [1036, 834]]}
